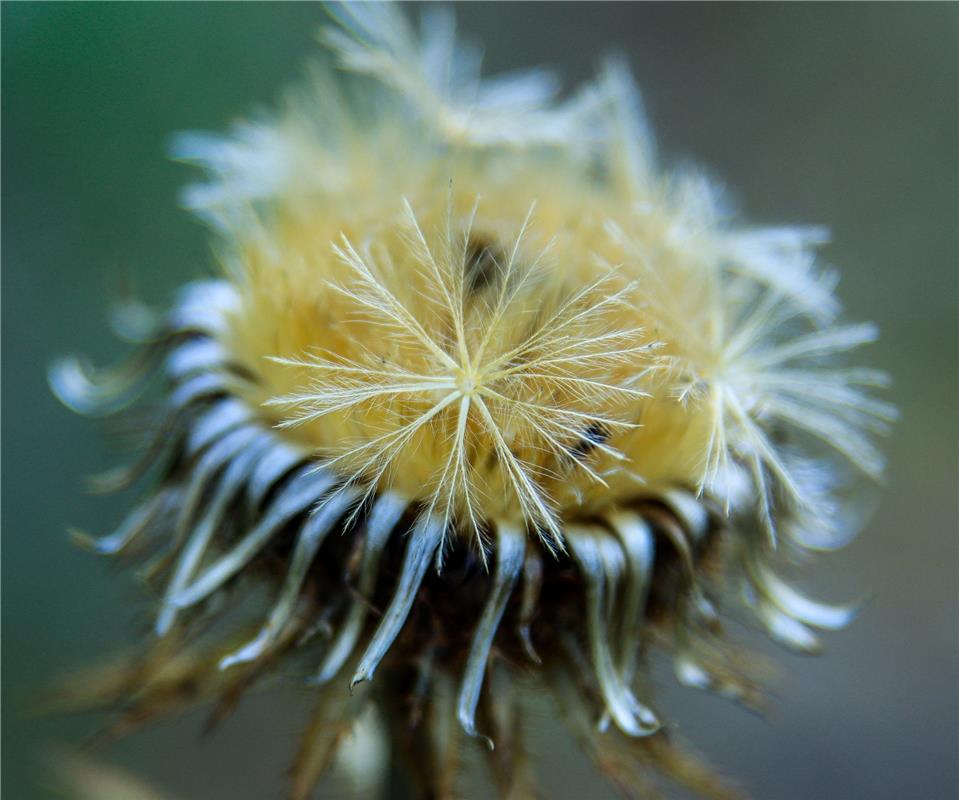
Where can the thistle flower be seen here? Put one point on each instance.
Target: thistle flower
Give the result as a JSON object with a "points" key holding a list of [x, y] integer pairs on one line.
{"points": [[483, 397]]}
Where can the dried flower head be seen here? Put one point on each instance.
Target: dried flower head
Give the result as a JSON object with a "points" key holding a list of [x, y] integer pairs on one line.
{"points": [[481, 396]]}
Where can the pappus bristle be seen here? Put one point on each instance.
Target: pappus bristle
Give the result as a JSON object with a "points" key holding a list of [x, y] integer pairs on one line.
{"points": [[483, 398]]}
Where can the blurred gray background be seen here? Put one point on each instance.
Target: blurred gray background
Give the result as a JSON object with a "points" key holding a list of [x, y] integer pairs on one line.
{"points": [[838, 114]]}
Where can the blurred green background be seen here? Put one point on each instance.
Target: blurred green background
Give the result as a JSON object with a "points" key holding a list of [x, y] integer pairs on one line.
{"points": [[838, 114]]}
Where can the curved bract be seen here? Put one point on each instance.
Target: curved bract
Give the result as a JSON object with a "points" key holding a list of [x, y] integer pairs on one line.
{"points": [[483, 396]]}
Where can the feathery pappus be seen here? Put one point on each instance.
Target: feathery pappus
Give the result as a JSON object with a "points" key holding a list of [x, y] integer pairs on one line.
{"points": [[486, 400]]}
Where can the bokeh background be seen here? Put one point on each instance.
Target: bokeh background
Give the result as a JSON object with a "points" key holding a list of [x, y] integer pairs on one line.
{"points": [[837, 114]]}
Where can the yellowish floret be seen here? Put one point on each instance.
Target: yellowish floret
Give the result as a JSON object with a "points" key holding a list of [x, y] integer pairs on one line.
{"points": [[414, 330]]}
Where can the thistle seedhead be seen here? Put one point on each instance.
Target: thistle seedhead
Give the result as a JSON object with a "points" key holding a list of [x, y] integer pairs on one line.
{"points": [[464, 325]]}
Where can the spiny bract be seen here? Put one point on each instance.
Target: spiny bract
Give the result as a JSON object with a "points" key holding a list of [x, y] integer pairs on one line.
{"points": [[465, 323]]}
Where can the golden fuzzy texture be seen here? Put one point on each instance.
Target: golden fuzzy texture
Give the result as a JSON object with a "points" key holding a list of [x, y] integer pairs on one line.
{"points": [[383, 206], [555, 347]]}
